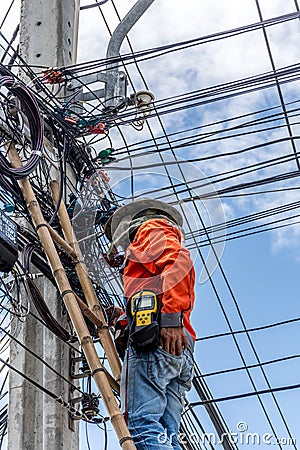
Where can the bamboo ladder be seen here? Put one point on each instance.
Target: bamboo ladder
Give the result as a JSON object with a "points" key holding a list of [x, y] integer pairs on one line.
{"points": [[47, 235]]}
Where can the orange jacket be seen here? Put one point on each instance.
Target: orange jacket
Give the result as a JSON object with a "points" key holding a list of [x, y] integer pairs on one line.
{"points": [[156, 260]]}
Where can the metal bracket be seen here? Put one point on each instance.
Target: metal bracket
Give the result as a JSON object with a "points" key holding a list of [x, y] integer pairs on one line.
{"points": [[111, 94], [74, 369], [120, 87], [115, 91]]}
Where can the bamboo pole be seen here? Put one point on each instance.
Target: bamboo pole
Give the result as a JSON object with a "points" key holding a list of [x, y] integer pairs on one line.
{"points": [[57, 238], [94, 319], [87, 312], [86, 342], [86, 284]]}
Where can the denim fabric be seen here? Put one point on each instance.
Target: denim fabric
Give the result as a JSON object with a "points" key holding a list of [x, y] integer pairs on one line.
{"points": [[153, 386]]}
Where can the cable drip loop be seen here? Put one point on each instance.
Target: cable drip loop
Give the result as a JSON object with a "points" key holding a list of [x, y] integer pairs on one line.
{"points": [[36, 126]]}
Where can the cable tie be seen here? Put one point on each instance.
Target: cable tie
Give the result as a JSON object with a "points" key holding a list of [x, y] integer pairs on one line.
{"points": [[37, 153], [15, 84], [102, 327], [124, 439], [100, 369], [79, 261], [66, 291], [41, 225]]}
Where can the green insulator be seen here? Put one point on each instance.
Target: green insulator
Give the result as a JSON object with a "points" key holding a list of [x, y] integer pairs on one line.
{"points": [[104, 154]]}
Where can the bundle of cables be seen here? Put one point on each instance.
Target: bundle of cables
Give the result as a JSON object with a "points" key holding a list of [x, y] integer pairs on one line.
{"points": [[38, 300], [36, 126]]}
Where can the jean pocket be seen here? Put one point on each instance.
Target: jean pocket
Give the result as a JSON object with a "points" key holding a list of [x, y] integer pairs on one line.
{"points": [[187, 373], [163, 367], [168, 355]]}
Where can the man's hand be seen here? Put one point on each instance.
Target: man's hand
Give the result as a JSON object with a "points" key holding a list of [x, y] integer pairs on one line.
{"points": [[113, 313], [173, 340]]}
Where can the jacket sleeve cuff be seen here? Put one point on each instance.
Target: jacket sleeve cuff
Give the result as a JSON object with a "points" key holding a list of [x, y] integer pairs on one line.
{"points": [[168, 320]]}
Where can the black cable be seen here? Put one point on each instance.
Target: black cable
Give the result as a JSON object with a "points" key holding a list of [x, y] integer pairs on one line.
{"points": [[279, 90], [62, 183], [224, 125], [105, 436], [210, 157], [4, 409], [229, 237], [183, 45], [251, 366], [55, 397], [39, 358], [14, 36], [246, 219], [48, 319], [213, 178], [207, 138], [222, 92], [6, 15], [87, 436], [240, 186], [93, 5], [30, 107], [245, 395]]}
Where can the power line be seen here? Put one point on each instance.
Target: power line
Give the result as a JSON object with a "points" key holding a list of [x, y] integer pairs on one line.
{"points": [[7, 13], [143, 55], [280, 93], [39, 358], [51, 394], [93, 5], [245, 395], [251, 366]]}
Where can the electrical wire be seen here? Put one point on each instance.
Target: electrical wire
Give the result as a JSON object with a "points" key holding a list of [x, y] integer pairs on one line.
{"points": [[93, 5], [51, 394], [36, 126], [250, 330], [278, 85], [36, 356], [7, 13], [251, 366], [143, 55], [247, 394]]}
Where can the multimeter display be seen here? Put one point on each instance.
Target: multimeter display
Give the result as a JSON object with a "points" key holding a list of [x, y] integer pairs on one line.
{"points": [[144, 305]]}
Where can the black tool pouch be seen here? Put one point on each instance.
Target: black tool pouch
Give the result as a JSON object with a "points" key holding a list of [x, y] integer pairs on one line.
{"points": [[121, 341], [145, 339]]}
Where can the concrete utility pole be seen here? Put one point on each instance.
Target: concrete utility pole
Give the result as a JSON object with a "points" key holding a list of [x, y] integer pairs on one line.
{"points": [[48, 37]]}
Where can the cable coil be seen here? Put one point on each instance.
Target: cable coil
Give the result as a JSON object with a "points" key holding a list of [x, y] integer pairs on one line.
{"points": [[35, 121]]}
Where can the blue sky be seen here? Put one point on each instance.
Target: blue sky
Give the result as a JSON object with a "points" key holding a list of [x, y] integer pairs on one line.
{"points": [[262, 269]]}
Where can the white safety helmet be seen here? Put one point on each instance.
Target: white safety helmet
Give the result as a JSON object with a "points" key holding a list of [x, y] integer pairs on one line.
{"points": [[129, 217]]}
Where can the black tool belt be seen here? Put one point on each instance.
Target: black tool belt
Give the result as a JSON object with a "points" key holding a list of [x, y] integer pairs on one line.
{"points": [[143, 310]]}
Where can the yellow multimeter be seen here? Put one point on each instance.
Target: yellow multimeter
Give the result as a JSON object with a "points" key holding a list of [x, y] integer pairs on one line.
{"points": [[144, 306], [143, 311]]}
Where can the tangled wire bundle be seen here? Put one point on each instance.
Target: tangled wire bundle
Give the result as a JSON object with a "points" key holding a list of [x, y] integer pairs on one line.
{"points": [[35, 122]]}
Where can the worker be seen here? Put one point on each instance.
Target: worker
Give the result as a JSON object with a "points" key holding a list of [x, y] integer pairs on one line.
{"points": [[158, 278]]}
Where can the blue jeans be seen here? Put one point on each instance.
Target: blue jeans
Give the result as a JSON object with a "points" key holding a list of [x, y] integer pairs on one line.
{"points": [[153, 386]]}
